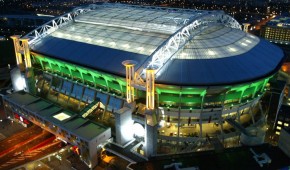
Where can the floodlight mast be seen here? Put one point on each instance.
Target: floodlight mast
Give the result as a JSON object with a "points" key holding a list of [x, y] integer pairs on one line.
{"points": [[21, 48], [130, 72], [150, 88]]}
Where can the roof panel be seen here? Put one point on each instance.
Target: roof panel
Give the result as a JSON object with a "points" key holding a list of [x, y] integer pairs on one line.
{"points": [[108, 35], [260, 61]]}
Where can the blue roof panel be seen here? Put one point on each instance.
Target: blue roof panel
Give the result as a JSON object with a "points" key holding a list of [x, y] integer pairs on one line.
{"points": [[259, 62], [88, 55]]}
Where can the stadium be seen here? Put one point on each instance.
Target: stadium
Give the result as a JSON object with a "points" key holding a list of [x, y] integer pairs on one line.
{"points": [[175, 80]]}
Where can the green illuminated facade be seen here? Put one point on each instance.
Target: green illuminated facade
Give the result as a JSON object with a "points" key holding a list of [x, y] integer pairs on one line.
{"points": [[166, 95]]}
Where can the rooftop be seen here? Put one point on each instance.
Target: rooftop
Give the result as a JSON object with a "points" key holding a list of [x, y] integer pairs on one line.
{"points": [[214, 52], [70, 121]]}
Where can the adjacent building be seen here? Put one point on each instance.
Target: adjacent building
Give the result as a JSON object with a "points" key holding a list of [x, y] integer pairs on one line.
{"points": [[282, 119], [277, 30]]}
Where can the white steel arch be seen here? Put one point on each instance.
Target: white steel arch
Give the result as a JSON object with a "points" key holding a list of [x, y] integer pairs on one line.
{"points": [[54, 24], [60, 21], [175, 42]]}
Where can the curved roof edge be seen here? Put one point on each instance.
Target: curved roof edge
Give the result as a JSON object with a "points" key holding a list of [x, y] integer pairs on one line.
{"points": [[274, 71]]}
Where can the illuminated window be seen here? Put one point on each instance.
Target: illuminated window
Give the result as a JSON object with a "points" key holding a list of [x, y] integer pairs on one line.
{"points": [[280, 123], [286, 124], [278, 127], [277, 133]]}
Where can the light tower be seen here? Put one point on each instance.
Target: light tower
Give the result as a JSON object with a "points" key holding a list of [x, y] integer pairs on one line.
{"points": [[21, 48], [246, 27], [150, 88], [17, 49], [26, 52], [130, 72], [151, 124]]}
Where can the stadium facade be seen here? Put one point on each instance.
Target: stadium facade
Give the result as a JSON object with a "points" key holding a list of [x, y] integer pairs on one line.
{"points": [[172, 79]]}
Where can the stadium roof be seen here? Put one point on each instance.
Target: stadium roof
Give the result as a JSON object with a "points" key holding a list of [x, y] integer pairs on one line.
{"points": [[189, 47]]}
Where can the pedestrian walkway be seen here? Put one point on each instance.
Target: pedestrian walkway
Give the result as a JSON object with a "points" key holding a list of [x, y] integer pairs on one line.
{"points": [[124, 152]]}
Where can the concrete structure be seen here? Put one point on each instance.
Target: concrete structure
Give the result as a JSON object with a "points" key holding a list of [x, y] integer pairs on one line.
{"points": [[189, 71], [246, 27], [87, 136]]}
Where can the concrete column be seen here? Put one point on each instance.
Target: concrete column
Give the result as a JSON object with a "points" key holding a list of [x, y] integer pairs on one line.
{"points": [[246, 27], [200, 125], [261, 109], [26, 52], [150, 88], [59, 89], [124, 123], [69, 96], [94, 80], [30, 81], [151, 127], [130, 73], [239, 115], [81, 97], [222, 126], [251, 113], [106, 106], [17, 49]]}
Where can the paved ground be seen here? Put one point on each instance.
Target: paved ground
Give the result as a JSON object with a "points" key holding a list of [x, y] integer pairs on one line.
{"points": [[7, 127], [231, 159]]}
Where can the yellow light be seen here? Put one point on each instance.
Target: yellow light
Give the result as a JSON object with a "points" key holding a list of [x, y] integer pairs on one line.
{"points": [[277, 133], [233, 49], [286, 124], [280, 25], [126, 45], [244, 44], [112, 43], [100, 41], [211, 52], [280, 123], [183, 54], [140, 48], [278, 127]]}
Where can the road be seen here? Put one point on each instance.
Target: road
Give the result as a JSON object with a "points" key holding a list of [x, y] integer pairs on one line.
{"points": [[25, 146], [21, 136]]}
